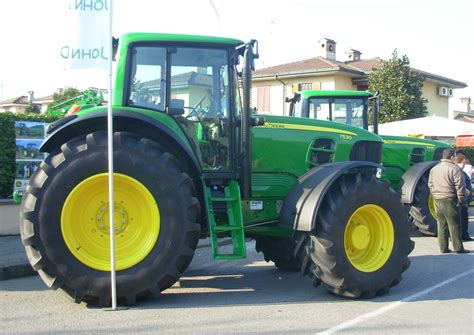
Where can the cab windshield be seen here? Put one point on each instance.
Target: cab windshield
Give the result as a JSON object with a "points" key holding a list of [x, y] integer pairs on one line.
{"points": [[352, 111]]}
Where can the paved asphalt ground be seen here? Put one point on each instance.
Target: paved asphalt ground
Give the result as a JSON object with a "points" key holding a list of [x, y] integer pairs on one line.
{"points": [[436, 296]]}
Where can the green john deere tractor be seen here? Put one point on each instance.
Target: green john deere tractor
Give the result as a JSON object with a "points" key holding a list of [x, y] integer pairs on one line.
{"points": [[191, 161], [407, 161], [31, 150]]}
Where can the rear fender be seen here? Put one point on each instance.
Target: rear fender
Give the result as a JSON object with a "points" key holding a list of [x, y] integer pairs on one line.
{"points": [[139, 124], [302, 203], [410, 179]]}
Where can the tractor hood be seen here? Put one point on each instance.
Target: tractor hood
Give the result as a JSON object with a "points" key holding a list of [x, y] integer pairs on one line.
{"points": [[415, 141], [340, 130]]}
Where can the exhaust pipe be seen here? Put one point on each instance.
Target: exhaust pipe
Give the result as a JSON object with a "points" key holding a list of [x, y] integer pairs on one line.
{"points": [[246, 120]]}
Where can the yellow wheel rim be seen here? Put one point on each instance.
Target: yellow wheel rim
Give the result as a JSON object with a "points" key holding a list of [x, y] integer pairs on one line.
{"points": [[368, 238], [85, 222], [431, 207]]}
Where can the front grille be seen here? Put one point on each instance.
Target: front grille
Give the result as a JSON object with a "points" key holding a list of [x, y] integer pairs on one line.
{"points": [[438, 154], [366, 151], [322, 151]]}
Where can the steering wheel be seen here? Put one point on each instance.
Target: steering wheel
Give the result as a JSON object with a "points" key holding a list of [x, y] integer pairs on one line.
{"points": [[193, 112], [194, 109]]}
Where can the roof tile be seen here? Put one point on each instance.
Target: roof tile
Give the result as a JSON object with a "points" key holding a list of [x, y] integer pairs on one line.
{"points": [[307, 65], [365, 65], [23, 99], [362, 67]]}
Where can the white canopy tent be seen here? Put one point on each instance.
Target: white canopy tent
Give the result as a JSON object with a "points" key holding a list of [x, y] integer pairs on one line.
{"points": [[430, 126]]}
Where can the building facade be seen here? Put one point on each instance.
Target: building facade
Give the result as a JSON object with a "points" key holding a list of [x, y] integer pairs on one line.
{"points": [[272, 85], [19, 104]]}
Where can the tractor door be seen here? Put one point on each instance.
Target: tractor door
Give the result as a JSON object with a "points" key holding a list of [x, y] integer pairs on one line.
{"points": [[192, 84], [200, 83]]}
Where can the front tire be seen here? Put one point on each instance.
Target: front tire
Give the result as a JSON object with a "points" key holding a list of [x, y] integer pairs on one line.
{"points": [[422, 210], [361, 242], [64, 223], [279, 250]]}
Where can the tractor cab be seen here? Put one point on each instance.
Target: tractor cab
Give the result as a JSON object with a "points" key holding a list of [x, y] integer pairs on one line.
{"points": [[193, 85]]}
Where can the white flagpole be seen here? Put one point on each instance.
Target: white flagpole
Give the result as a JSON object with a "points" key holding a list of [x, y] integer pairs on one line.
{"points": [[110, 142]]}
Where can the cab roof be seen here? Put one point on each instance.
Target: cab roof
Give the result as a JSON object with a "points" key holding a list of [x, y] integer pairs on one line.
{"points": [[339, 93], [181, 38]]}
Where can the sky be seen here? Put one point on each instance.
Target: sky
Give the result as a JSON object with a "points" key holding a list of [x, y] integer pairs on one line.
{"points": [[437, 35]]}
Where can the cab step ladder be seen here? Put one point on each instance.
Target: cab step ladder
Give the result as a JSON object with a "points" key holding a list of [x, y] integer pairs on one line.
{"points": [[233, 226]]}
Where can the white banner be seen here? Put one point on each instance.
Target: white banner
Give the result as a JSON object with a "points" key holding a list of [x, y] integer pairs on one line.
{"points": [[87, 44]]}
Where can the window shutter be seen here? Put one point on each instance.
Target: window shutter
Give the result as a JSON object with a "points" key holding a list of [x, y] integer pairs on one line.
{"points": [[263, 99]]}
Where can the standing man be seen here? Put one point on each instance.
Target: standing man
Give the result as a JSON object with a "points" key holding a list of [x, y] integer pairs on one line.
{"points": [[464, 224], [447, 186]]}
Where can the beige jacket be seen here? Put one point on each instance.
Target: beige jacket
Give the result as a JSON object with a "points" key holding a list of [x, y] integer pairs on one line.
{"points": [[446, 181]]}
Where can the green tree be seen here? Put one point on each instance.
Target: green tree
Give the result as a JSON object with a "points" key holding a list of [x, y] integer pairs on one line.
{"points": [[68, 93], [400, 88], [32, 108], [7, 154]]}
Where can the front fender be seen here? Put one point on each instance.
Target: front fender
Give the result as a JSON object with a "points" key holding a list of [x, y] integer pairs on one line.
{"points": [[410, 179], [302, 203]]}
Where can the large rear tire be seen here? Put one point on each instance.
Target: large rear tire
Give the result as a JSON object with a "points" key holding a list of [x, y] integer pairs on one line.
{"points": [[64, 224], [422, 210], [279, 250], [361, 242]]}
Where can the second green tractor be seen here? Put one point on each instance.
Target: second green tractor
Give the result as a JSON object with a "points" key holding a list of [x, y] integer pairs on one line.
{"points": [[406, 161]]}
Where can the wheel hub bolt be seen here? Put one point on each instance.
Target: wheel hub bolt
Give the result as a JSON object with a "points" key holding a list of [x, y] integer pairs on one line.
{"points": [[121, 216]]}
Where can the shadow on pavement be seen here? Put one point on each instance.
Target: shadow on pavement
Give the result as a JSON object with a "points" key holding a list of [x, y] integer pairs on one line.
{"points": [[264, 284], [257, 283]]}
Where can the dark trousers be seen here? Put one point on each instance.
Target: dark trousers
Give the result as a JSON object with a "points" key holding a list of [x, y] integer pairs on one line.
{"points": [[464, 222], [448, 218]]}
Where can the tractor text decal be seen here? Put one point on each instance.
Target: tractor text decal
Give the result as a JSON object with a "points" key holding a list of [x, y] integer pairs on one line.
{"points": [[306, 127], [408, 142]]}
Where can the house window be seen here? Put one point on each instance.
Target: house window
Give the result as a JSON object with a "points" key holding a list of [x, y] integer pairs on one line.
{"points": [[263, 99], [305, 86]]}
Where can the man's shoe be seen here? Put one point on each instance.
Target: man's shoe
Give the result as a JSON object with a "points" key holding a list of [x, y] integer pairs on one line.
{"points": [[463, 251], [467, 238], [447, 251]]}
